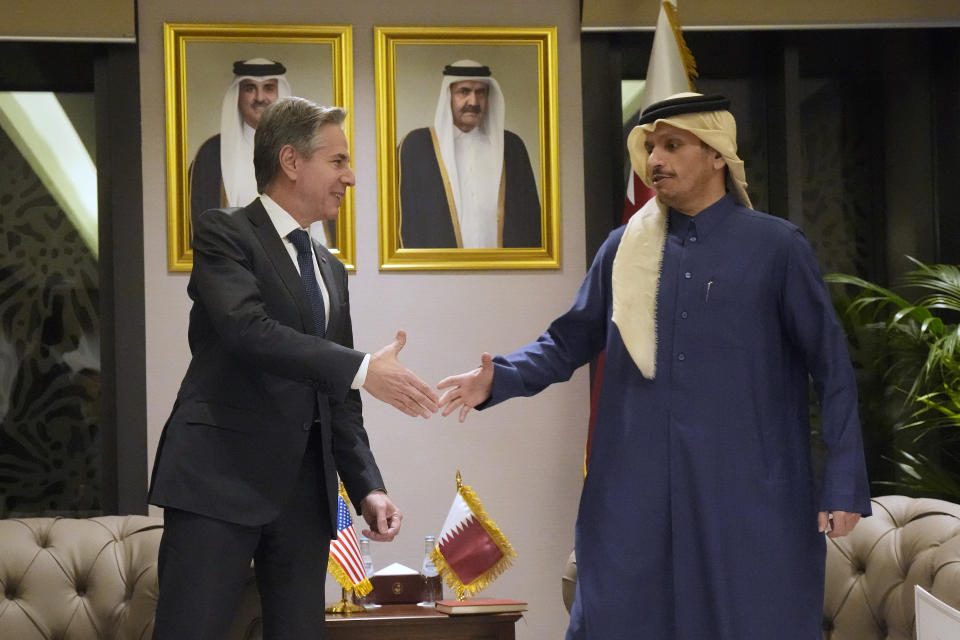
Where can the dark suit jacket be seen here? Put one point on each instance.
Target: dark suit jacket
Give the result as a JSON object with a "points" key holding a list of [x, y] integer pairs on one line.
{"points": [[258, 380]]}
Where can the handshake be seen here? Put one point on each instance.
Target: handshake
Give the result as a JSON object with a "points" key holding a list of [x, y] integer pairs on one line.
{"points": [[389, 381]]}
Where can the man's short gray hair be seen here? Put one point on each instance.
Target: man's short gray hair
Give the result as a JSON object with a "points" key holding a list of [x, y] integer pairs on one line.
{"points": [[294, 121]]}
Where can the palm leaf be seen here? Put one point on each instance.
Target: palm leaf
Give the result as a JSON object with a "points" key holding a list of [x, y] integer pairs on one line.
{"points": [[924, 477], [912, 341], [942, 279]]}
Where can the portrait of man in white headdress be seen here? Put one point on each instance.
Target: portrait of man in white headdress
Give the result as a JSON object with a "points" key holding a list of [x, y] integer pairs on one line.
{"points": [[221, 174], [467, 181]]}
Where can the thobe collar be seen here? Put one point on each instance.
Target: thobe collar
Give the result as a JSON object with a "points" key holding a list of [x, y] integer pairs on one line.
{"points": [[678, 223], [704, 222]]}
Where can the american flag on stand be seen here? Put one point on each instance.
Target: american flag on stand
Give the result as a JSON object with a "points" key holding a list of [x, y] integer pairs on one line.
{"points": [[345, 564]]}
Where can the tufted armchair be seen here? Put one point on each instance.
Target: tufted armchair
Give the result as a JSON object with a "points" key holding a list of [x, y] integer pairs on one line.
{"points": [[871, 572], [88, 579]]}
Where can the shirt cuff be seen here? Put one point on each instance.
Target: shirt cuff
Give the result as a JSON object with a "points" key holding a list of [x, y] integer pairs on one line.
{"points": [[361, 377]]}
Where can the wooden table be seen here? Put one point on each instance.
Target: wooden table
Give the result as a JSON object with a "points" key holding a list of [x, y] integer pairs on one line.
{"points": [[410, 622]]}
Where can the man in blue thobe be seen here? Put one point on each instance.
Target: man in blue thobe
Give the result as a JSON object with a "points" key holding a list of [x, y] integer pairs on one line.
{"points": [[700, 517]]}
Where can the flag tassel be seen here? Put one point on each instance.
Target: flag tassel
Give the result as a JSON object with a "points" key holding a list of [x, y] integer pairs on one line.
{"points": [[689, 63], [362, 588]]}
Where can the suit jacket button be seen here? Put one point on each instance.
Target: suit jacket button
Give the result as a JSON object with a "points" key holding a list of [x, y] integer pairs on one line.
{"points": [[306, 426]]}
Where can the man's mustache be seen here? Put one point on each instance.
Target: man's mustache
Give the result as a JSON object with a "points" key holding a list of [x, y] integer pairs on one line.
{"points": [[471, 108]]}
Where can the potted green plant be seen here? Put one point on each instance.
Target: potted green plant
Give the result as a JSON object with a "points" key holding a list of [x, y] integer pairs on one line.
{"points": [[906, 349]]}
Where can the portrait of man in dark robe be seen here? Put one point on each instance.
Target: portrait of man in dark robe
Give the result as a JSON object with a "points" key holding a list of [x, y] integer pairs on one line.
{"points": [[467, 182]]}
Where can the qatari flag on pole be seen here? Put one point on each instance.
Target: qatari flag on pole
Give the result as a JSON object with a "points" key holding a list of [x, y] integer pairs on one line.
{"points": [[471, 551]]}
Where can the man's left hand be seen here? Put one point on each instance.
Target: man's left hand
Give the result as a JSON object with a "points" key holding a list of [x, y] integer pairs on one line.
{"points": [[381, 515], [840, 524]]}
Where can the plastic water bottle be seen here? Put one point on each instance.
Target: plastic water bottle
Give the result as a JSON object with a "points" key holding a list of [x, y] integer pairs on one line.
{"points": [[368, 600], [433, 587], [366, 557]]}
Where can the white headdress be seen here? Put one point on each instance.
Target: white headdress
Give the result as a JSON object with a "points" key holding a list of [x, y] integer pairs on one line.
{"points": [[236, 152]]}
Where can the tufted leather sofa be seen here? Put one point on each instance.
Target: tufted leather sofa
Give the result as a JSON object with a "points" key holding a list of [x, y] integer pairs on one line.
{"points": [[871, 573], [89, 579]]}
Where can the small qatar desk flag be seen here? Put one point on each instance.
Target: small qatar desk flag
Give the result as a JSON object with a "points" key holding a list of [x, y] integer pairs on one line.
{"points": [[345, 563], [471, 551]]}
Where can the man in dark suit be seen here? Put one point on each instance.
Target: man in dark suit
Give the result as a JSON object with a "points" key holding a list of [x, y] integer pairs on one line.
{"points": [[269, 412]]}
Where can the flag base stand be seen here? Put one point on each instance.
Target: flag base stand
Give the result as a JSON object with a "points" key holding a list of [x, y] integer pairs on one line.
{"points": [[345, 607]]}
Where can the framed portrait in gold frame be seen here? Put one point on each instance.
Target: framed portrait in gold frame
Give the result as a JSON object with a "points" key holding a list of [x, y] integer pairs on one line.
{"points": [[207, 67], [467, 147]]}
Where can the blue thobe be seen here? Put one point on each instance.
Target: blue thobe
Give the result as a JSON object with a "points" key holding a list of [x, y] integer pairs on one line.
{"points": [[698, 517]]}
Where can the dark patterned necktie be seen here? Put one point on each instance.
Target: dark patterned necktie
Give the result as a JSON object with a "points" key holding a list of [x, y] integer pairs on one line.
{"points": [[306, 261]]}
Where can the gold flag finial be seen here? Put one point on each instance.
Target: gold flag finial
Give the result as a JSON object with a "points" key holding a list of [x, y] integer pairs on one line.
{"points": [[459, 481]]}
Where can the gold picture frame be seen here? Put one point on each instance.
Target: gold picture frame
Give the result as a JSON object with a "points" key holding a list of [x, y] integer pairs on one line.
{"points": [[409, 65], [198, 62]]}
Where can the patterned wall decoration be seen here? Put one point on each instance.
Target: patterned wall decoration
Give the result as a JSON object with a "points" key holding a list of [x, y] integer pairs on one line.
{"points": [[836, 183], [50, 436]]}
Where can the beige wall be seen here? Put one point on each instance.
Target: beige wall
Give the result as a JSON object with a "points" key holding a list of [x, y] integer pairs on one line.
{"points": [[524, 457]]}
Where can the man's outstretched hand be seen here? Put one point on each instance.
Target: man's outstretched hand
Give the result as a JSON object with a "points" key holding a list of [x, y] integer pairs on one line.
{"points": [[467, 390], [391, 382]]}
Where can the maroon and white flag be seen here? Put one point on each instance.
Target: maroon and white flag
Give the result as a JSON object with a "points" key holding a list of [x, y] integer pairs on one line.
{"points": [[471, 550]]}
